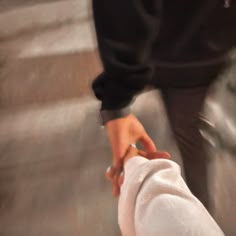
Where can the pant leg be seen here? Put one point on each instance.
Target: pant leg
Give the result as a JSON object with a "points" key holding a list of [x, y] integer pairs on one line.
{"points": [[183, 107]]}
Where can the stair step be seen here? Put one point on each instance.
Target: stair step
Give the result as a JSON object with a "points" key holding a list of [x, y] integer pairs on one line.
{"points": [[42, 14], [47, 79]]}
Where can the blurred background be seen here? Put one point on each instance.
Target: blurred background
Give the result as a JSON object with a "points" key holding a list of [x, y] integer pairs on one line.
{"points": [[53, 152]]}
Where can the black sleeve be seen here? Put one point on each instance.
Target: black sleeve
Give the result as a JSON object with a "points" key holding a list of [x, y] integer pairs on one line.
{"points": [[126, 31]]}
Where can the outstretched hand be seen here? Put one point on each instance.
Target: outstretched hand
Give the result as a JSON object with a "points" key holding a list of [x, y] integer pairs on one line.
{"points": [[122, 132], [116, 175]]}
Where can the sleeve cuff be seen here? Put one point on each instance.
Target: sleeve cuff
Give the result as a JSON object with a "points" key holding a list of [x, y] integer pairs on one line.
{"points": [[108, 115]]}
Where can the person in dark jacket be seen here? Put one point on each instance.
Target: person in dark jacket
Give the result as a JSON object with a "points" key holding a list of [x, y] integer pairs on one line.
{"points": [[179, 47]]}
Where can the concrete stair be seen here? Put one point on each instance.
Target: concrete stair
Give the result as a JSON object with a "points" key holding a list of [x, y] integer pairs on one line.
{"points": [[48, 53], [40, 14]]}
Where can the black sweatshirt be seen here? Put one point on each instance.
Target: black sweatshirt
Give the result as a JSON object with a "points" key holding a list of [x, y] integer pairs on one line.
{"points": [[178, 43]]}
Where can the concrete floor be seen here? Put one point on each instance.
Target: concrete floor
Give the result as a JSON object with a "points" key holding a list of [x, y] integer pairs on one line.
{"points": [[53, 153]]}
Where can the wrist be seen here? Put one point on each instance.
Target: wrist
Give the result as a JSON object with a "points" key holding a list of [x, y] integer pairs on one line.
{"points": [[108, 115]]}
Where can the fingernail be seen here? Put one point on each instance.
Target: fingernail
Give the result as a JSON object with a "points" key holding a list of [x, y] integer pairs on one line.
{"points": [[108, 169], [168, 155]]}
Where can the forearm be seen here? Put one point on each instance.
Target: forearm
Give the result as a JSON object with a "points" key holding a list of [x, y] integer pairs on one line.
{"points": [[157, 202]]}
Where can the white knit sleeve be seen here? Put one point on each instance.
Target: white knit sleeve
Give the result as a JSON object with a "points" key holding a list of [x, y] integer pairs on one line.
{"points": [[155, 201]]}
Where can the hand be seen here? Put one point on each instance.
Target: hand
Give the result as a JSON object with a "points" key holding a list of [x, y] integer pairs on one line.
{"points": [[114, 175], [132, 152], [123, 132]]}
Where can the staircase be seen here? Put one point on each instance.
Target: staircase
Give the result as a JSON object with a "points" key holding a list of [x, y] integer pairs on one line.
{"points": [[53, 152], [48, 53]]}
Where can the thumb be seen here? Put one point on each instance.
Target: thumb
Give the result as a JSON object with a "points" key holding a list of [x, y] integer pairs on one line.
{"points": [[147, 143]]}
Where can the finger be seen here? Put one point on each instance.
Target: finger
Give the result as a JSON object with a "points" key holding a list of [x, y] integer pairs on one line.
{"points": [[142, 153], [131, 152], [154, 155], [148, 144], [158, 155], [116, 188], [110, 173], [118, 155], [119, 167]]}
